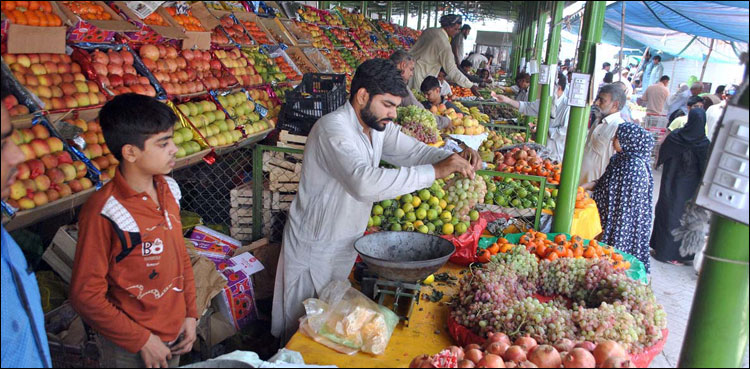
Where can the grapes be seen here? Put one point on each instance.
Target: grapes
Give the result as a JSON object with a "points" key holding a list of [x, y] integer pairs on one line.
{"points": [[465, 193], [594, 302], [418, 123]]}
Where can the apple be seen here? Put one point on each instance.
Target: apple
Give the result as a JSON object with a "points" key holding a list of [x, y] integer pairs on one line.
{"points": [[58, 103], [40, 198], [44, 80], [56, 91], [69, 171], [78, 76], [56, 176], [36, 168], [81, 86], [44, 92], [23, 171], [75, 186], [63, 157], [49, 160], [85, 183], [55, 144], [70, 102], [64, 190], [93, 98], [26, 204], [17, 190], [82, 99], [42, 183], [40, 147], [93, 87], [81, 168], [105, 177], [30, 186], [53, 195], [101, 162], [38, 69]]}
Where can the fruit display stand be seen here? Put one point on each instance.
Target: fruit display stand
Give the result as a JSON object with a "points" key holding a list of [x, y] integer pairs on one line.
{"points": [[299, 36], [255, 28], [274, 27], [301, 61]]}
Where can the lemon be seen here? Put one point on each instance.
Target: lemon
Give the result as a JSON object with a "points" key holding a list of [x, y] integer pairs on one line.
{"points": [[447, 228], [423, 229], [416, 201], [410, 216], [434, 201], [421, 214], [432, 214], [443, 204], [446, 216], [377, 210], [425, 195], [418, 224], [429, 279], [400, 213], [407, 208]]}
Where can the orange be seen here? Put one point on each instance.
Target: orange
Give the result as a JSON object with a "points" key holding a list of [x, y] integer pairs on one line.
{"points": [[45, 6], [43, 21], [33, 5], [8, 6], [20, 17], [22, 4], [32, 19]]}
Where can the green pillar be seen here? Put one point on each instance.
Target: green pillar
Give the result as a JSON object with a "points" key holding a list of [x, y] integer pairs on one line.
{"points": [[364, 9], [419, 17], [389, 11], [406, 14], [536, 54], [553, 44], [528, 45], [593, 21], [717, 332]]}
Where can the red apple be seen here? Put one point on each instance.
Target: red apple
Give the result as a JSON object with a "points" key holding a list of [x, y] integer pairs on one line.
{"points": [[26, 203], [99, 57], [40, 198], [55, 144], [42, 183], [127, 57], [81, 86], [64, 190], [40, 147], [81, 169], [28, 153], [75, 186], [101, 162], [56, 175], [57, 92], [70, 101], [40, 131], [53, 195], [114, 57], [30, 186], [85, 183], [49, 160], [23, 171], [69, 171]]}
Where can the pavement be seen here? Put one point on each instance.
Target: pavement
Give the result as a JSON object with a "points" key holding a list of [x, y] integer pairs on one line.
{"points": [[674, 288]]}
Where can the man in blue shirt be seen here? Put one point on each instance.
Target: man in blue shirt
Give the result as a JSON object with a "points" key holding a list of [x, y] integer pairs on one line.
{"points": [[24, 340]]}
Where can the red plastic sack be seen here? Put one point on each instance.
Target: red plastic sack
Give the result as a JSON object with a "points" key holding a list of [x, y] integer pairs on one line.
{"points": [[463, 336], [467, 243]]}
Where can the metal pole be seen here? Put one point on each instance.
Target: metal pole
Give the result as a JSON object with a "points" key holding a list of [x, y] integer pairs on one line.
{"points": [[593, 21], [406, 13], [553, 44], [389, 11], [429, 14], [364, 9], [536, 52], [419, 17], [717, 332], [622, 39], [705, 62]]}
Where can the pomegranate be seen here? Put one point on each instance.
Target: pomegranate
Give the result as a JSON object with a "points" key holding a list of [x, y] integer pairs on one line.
{"points": [[187, 54], [474, 355], [100, 69], [497, 348], [527, 364], [618, 362], [587, 345], [171, 53], [515, 353], [579, 358], [466, 364], [564, 345], [497, 337], [526, 342], [115, 69], [472, 346], [459, 352], [607, 349], [419, 361], [100, 57], [545, 356], [114, 57], [491, 361], [149, 52]]}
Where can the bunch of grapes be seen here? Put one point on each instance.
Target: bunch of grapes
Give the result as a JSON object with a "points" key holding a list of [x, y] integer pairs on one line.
{"points": [[563, 276], [418, 123], [465, 193]]}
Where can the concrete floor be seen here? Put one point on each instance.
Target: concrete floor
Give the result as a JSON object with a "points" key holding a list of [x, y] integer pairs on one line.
{"points": [[674, 287]]}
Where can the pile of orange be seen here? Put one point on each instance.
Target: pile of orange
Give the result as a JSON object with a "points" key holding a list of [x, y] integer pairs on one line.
{"points": [[88, 10], [459, 91], [189, 22], [538, 244], [155, 19], [31, 13], [582, 199]]}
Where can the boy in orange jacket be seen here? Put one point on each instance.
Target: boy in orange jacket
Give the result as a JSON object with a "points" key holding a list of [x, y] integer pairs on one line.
{"points": [[132, 277]]}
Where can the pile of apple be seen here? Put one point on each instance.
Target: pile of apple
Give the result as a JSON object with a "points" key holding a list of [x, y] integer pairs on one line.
{"points": [[55, 79], [96, 149], [261, 97], [14, 107], [239, 66], [171, 69], [185, 140], [319, 39], [257, 33], [235, 31], [48, 174], [337, 62], [211, 122], [340, 37], [116, 72], [288, 70], [209, 70], [264, 66], [241, 110]]}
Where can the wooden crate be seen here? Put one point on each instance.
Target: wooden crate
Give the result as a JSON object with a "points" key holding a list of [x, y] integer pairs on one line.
{"points": [[285, 171]]}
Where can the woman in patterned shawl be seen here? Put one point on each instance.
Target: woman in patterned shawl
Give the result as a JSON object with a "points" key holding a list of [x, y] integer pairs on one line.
{"points": [[625, 191]]}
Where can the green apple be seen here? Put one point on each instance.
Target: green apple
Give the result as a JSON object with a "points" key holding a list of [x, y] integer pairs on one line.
{"points": [[181, 153], [193, 109], [213, 141], [177, 138], [184, 109]]}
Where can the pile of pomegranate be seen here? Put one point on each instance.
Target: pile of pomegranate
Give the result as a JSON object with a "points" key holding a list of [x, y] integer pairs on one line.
{"points": [[499, 352]]}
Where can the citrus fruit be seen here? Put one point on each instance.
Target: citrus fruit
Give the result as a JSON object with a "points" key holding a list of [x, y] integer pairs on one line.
{"points": [[377, 210], [396, 227], [461, 228], [421, 214], [425, 195], [416, 201], [410, 216], [406, 199], [434, 201], [448, 228], [473, 215], [423, 229], [432, 214], [376, 221], [429, 279], [399, 213]]}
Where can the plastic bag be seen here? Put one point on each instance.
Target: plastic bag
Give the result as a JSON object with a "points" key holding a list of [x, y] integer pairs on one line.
{"points": [[466, 244], [348, 320]]}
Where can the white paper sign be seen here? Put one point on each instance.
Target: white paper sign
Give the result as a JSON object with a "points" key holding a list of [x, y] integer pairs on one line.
{"points": [[247, 263], [533, 67], [144, 8], [579, 90], [544, 74]]}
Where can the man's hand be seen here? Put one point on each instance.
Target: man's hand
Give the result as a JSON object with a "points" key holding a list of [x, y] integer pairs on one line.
{"points": [[475, 91], [453, 164], [589, 186], [155, 353], [501, 98], [472, 157], [187, 332]]}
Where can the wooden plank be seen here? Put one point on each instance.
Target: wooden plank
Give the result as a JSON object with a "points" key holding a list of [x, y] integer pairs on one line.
{"points": [[290, 146], [279, 175], [287, 137], [284, 186]]}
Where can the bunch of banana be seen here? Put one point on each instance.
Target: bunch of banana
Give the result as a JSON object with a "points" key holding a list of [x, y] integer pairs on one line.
{"points": [[476, 114]]}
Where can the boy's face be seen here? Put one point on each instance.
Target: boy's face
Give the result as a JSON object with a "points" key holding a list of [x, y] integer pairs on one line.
{"points": [[433, 96], [441, 76], [11, 155], [466, 69], [157, 156]]}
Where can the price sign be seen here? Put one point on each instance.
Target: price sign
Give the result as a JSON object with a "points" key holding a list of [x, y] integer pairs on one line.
{"points": [[579, 90]]}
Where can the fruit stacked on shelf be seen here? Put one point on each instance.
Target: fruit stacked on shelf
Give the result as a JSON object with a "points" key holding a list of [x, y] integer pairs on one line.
{"points": [[55, 79], [309, 14], [497, 140], [502, 112], [242, 111], [185, 140], [269, 72], [211, 122], [387, 27], [511, 193], [427, 211], [235, 31], [14, 107], [155, 19], [116, 72], [500, 352], [88, 10], [96, 149], [258, 33], [261, 96], [459, 92], [31, 13], [363, 38], [460, 124], [539, 244], [288, 70], [319, 39], [355, 20], [474, 112], [300, 61], [187, 21], [340, 37], [171, 69], [418, 123], [219, 37], [337, 62], [239, 66], [605, 304], [360, 55], [524, 160], [48, 173], [349, 58], [209, 70]]}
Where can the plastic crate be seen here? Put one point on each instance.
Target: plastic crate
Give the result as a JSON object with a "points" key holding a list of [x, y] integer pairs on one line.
{"points": [[316, 96]]}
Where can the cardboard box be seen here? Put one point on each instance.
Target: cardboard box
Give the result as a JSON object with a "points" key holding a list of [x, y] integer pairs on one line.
{"points": [[205, 234], [116, 24], [173, 31], [31, 40], [62, 251]]}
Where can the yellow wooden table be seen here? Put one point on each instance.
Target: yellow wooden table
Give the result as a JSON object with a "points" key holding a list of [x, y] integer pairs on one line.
{"points": [[586, 222], [426, 334]]}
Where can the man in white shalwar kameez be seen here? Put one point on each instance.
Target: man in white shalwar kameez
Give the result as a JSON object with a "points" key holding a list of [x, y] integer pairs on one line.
{"points": [[560, 113], [599, 147], [341, 179]]}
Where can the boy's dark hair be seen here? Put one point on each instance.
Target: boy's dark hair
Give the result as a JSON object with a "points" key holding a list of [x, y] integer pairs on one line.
{"points": [[130, 119], [465, 63], [522, 77], [664, 78], [378, 76], [429, 83], [606, 64], [694, 100], [657, 58], [442, 71]]}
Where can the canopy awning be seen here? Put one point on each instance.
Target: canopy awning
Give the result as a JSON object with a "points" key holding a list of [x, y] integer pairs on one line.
{"points": [[498, 39]]}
